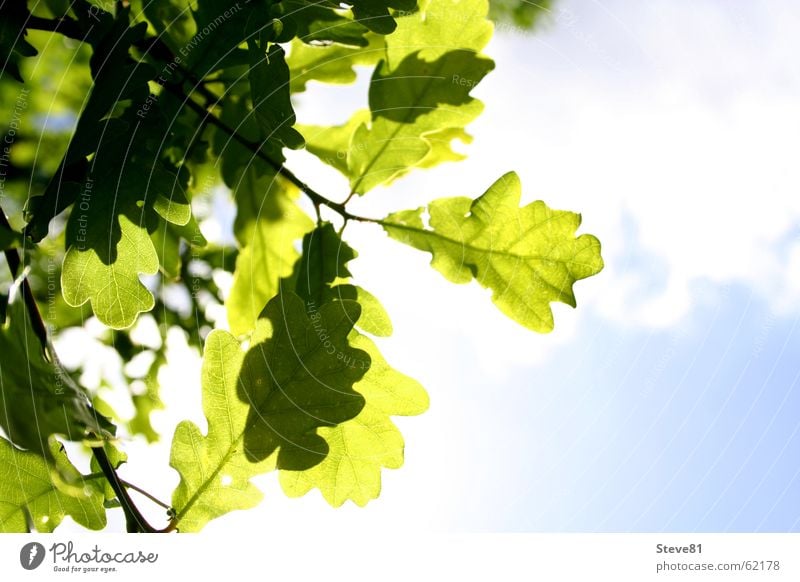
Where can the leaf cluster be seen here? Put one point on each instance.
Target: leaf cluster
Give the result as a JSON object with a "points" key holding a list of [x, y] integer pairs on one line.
{"points": [[154, 116]]}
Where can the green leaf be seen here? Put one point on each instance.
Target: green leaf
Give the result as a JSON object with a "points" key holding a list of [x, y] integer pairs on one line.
{"points": [[360, 447], [13, 46], [32, 491], [325, 22], [37, 397], [220, 28], [419, 97], [108, 243], [441, 147], [529, 256], [332, 144], [118, 80], [321, 276], [321, 22], [269, 87], [442, 26], [267, 228], [374, 14], [409, 103], [264, 406], [268, 220], [331, 63]]}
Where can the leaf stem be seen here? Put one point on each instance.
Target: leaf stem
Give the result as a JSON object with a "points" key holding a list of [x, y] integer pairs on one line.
{"points": [[147, 494]]}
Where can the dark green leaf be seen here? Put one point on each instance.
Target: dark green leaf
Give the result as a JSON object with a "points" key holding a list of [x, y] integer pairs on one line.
{"points": [[269, 87]]}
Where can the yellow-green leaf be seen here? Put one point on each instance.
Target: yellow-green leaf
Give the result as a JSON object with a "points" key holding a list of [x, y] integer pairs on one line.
{"points": [[361, 447], [529, 256], [267, 228], [33, 491], [265, 406]]}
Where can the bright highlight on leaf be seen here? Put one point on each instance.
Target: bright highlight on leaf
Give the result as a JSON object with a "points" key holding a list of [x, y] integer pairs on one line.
{"points": [[529, 256]]}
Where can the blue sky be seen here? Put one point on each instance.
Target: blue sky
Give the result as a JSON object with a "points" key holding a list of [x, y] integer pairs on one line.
{"points": [[669, 400]]}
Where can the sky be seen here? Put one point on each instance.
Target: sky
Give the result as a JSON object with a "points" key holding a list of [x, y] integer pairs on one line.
{"points": [[668, 400]]}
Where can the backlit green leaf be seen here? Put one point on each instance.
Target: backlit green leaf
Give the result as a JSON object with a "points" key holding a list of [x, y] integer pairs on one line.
{"points": [[361, 447], [416, 99], [33, 491], [324, 22], [109, 244], [332, 63], [419, 97], [265, 406], [529, 256], [332, 144]]}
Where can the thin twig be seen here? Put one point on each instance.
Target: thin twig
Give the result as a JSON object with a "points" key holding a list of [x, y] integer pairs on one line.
{"points": [[150, 496]]}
